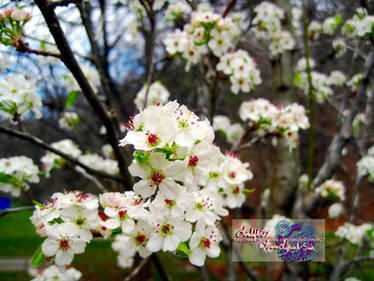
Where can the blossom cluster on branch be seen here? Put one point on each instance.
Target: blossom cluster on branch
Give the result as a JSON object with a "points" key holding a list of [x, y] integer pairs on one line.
{"points": [[16, 173], [266, 118]]}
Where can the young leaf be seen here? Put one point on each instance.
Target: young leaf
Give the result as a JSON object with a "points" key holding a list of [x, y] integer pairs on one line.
{"points": [[183, 249], [38, 258], [37, 203], [73, 95], [249, 191]]}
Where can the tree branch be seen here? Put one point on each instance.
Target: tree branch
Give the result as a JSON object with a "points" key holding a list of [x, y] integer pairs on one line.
{"points": [[228, 8], [33, 139], [72, 64], [15, 210], [136, 270], [63, 3], [334, 152], [23, 47]]}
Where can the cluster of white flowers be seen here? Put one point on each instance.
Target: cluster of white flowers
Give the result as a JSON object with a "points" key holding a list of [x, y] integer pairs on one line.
{"points": [[322, 83], [18, 97], [99, 163], [266, 118], [330, 24], [52, 161], [68, 120], [366, 165], [137, 7], [11, 24], [177, 10], [54, 272], [91, 75], [314, 30], [206, 29], [332, 189], [353, 233], [67, 220], [184, 178], [16, 173], [355, 82], [360, 25], [157, 94], [242, 70], [268, 26], [336, 210], [232, 132], [339, 47]]}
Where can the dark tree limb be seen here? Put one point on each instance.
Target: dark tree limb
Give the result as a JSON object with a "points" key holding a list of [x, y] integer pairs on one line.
{"points": [[72, 64]]}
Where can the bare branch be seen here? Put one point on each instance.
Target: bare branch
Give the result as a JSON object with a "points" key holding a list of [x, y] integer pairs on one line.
{"points": [[62, 3], [228, 7], [15, 210], [71, 63], [334, 153], [22, 47], [136, 270]]}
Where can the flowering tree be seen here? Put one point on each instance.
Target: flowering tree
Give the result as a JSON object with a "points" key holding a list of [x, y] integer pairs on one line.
{"points": [[162, 182]]}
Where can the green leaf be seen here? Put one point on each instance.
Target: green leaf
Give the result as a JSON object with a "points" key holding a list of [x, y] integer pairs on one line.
{"points": [[183, 249], [168, 150], [297, 79], [38, 203], [141, 156], [249, 191], [338, 19], [38, 258], [116, 231], [73, 95], [5, 177]]}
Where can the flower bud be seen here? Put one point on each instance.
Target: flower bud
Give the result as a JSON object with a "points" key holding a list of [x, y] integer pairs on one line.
{"points": [[18, 15]]}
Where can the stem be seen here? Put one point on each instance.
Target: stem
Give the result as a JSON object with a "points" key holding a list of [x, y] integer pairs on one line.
{"points": [[311, 98]]}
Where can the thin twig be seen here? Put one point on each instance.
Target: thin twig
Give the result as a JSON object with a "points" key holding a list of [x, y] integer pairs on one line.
{"points": [[161, 270], [15, 210], [92, 178], [22, 47], [136, 270], [63, 3], [33, 139], [228, 8], [151, 67]]}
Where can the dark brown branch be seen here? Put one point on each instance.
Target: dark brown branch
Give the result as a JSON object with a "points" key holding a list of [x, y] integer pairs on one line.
{"points": [[228, 7], [72, 64], [161, 270], [63, 3], [136, 270], [22, 47], [33, 139]]}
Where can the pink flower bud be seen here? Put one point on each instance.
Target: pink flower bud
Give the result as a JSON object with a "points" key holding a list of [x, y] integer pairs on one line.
{"points": [[8, 13]]}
